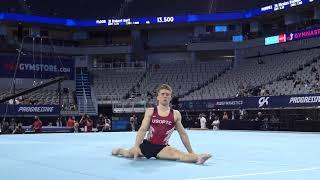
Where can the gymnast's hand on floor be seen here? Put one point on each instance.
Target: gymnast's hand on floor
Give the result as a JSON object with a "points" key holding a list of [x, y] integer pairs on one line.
{"points": [[135, 152]]}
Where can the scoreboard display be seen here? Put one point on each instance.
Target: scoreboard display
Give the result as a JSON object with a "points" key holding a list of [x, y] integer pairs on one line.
{"points": [[205, 17], [284, 5]]}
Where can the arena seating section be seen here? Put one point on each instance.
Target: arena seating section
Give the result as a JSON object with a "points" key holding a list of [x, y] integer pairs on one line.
{"points": [[113, 84], [281, 70], [250, 73], [292, 72], [183, 77], [304, 81], [42, 96]]}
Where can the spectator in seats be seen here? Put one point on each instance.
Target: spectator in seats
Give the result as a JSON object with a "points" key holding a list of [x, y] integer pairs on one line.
{"points": [[308, 118], [82, 122], [11, 101], [263, 91], [73, 107], [274, 119], [59, 122], [260, 122], [86, 123], [197, 122], [26, 101], [50, 124], [64, 107], [265, 123], [189, 123], [225, 116], [260, 61], [215, 123], [232, 115], [33, 101], [203, 121], [256, 91], [18, 129], [297, 82], [211, 117], [241, 92], [259, 117], [13, 124], [216, 116], [76, 127], [5, 128], [317, 86], [71, 121], [37, 125], [108, 123], [133, 122], [102, 124], [289, 77]]}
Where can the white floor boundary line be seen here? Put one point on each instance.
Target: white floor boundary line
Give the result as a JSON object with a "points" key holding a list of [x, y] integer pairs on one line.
{"points": [[270, 163], [255, 174]]}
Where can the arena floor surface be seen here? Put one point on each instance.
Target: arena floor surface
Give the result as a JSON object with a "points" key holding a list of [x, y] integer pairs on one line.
{"points": [[241, 155]]}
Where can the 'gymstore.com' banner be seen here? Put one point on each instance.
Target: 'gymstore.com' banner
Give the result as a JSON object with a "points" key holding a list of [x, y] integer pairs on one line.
{"points": [[35, 68], [29, 110], [266, 102]]}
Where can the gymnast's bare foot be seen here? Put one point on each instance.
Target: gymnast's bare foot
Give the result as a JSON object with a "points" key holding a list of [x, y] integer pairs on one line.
{"points": [[203, 158], [115, 151]]}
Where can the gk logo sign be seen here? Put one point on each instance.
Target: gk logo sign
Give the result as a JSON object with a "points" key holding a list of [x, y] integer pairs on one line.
{"points": [[263, 101]]}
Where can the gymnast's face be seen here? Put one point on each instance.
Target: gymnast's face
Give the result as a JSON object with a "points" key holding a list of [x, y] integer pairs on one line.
{"points": [[164, 97]]}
